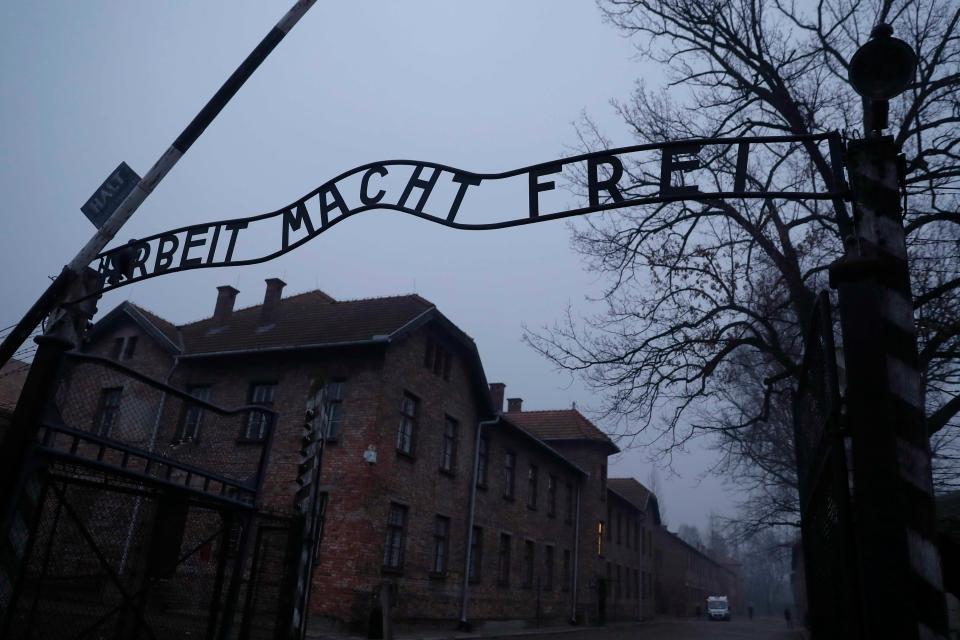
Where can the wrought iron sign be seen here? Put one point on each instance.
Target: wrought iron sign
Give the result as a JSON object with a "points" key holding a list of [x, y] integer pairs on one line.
{"points": [[465, 200]]}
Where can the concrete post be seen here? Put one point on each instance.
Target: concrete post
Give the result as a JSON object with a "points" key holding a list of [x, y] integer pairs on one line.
{"points": [[899, 565]]}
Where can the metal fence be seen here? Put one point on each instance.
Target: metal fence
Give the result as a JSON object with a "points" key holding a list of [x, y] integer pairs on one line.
{"points": [[138, 516], [824, 482]]}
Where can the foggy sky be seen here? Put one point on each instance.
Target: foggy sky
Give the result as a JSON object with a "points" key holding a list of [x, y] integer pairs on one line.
{"points": [[485, 86]]}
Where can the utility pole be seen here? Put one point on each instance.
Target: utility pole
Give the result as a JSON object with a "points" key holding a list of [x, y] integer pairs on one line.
{"points": [[898, 562], [56, 292]]}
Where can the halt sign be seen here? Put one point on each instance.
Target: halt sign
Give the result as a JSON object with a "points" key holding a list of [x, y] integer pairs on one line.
{"points": [[110, 194]]}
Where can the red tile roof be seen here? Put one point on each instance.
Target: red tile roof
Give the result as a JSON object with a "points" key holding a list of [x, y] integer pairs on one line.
{"points": [[630, 490], [12, 376], [559, 424], [311, 318]]}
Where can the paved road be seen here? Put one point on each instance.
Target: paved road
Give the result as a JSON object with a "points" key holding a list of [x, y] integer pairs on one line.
{"points": [[759, 629]]}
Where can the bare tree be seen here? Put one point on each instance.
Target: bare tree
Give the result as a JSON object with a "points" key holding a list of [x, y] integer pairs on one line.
{"points": [[706, 303]]}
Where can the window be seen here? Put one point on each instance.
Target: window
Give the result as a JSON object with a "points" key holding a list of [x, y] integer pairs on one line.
{"points": [[335, 389], [108, 411], [448, 455], [482, 456], [124, 348], [528, 557], [193, 416], [441, 545], [509, 474], [568, 518], [408, 423], [636, 535], [619, 527], [548, 568], [503, 561], [532, 487], [257, 421], [476, 554], [393, 547], [627, 582], [551, 495], [437, 359], [600, 528], [643, 541], [617, 586], [603, 483], [566, 570]]}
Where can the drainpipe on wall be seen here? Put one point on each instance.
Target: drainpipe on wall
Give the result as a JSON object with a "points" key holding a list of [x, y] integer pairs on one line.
{"points": [[576, 558], [153, 441], [464, 625]]}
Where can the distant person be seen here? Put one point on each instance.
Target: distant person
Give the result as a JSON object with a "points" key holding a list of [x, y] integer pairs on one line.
{"points": [[786, 616], [750, 612]]}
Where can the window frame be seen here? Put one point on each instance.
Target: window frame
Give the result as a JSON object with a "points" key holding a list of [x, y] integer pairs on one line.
{"points": [[568, 516], [552, 495], [394, 546], [503, 560], [191, 411], [533, 480], [441, 547], [334, 409], [529, 562], [509, 475], [262, 418], [448, 450], [475, 568], [408, 420], [103, 408], [483, 461]]}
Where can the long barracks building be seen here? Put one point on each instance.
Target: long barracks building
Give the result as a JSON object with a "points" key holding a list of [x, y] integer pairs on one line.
{"points": [[415, 437]]}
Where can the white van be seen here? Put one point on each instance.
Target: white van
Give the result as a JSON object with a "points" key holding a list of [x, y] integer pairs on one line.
{"points": [[718, 608]]}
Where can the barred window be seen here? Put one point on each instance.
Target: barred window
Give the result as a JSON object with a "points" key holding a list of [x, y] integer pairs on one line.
{"points": [[396, 528], [108, 411], [441, 544], [408, 423]]}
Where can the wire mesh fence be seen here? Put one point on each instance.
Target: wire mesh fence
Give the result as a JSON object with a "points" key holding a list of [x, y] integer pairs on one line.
{"points": [[137, 518], [824, 484]]}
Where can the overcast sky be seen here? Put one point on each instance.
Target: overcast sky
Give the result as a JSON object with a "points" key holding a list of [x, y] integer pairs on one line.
{"points": [[485, 86]]}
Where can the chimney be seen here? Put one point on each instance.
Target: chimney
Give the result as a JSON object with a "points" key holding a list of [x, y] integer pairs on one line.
{"points": [[271, 301], [497, 390], [226, 296], [514, 405]]}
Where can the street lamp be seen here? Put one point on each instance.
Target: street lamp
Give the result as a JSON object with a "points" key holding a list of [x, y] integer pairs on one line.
{"points": [[880, 70]]}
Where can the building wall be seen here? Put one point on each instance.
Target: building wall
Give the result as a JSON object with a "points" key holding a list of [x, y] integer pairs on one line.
{"points": [[686, 577], [359, 493]]}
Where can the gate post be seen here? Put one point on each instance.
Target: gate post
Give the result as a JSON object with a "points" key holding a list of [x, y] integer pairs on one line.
{"points": [[898, 562]]}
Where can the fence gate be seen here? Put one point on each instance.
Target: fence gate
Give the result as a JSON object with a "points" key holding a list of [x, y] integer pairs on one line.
{"points": [[137, 517], [824, 482]]}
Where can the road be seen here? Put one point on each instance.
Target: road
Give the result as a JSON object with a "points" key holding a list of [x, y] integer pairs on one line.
{"points": [[742, 629]]}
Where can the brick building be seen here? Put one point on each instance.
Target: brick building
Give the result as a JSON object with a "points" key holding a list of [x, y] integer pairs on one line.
{"points": [[685, 576], [468, 511]]}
